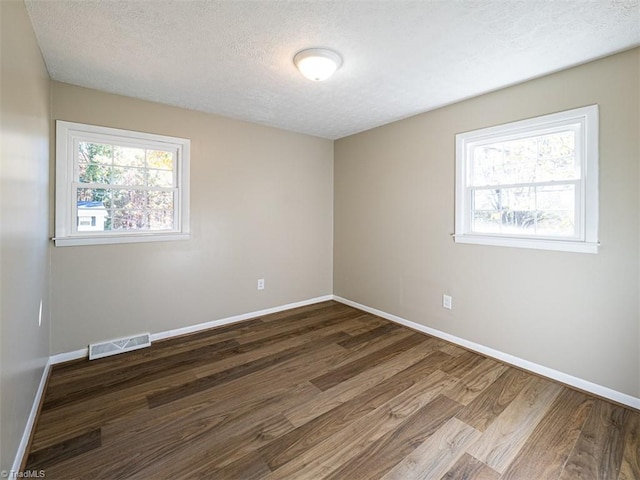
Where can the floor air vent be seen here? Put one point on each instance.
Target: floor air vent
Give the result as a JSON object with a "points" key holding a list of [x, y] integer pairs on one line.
{"points": [[112, 347]]}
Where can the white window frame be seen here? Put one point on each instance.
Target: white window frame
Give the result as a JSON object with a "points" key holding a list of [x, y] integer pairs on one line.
{"points": [[584, 121], [68, 134]]}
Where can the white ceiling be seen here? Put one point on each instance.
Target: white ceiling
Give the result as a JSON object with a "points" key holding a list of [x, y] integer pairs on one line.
{"points": [[400, 57]]}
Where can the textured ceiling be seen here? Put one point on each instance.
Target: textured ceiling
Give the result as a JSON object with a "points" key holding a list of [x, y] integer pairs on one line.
{"points": [[234, 57]]}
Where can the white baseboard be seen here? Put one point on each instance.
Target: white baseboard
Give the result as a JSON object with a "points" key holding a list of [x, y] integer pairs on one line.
{"points": [[31, 420], [84, 352], [567, 379]]}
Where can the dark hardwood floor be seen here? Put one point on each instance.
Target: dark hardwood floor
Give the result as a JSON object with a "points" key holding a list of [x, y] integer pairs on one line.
{"points": [[323, 392]]}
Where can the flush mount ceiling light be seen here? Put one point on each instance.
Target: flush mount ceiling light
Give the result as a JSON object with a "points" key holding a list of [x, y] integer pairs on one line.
{"points": [[317, 64]]}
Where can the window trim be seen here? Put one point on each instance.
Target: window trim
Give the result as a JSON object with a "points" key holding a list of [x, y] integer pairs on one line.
{"points": [[67, 133], [586, 206]]}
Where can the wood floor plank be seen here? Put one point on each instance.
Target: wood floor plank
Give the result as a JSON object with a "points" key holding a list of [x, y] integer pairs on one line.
{"points": [[599, 450], [284, 449], [70, 372], [188, 462], [204, 383], [49, 456], [131, 404], [546, 450], [54, 426], [630, 466], [315, 309], [351, 369], [283, 330], [96, 385], [352, 387], [437, 454], [469, 468], [365, 337], [383, 454], [249, 467], [453, 350], [173, 444], [463, 364], [476, 381], [329, 455], [265, 391], [266, 346], [236, 442], [365, 323], [480, 412], [501, 442], [371, 347], [219, 346]]}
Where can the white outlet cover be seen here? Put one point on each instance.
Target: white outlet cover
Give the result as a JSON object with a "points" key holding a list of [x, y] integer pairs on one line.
{"points": [[447, 301]]}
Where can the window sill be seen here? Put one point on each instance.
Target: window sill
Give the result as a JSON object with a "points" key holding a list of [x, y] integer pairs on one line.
{"points": [[113, 239], [538, 244]]}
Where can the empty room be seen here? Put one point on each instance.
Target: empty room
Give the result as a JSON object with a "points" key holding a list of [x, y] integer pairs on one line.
{"points": [[313, 239]]}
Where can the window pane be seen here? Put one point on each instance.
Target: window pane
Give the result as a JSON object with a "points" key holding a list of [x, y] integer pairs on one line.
{"points": [[486, 206], [127, 176], [519, 222], [556, 157], [94, 153], [556, 205], [92, 195], [527, 160], [160, 178], [555, 145], [93, 173], [486, 221], [128, 157], [556, 223], [519, 199], [129, 199], [527, 211], [505, 163], [160, 200], [92, 212], [143, 219], [487, 164], [130, 220], [557, 197], [486, 199], [159, 159], [519, 165], [161, 219]]}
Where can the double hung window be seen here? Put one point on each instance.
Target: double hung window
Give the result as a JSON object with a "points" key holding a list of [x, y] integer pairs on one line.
{"points": [[531, 184], [119, 186]]}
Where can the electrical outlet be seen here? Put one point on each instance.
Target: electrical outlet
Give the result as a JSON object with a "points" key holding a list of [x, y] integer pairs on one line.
{"points": [[446, 301], [261, 284]]}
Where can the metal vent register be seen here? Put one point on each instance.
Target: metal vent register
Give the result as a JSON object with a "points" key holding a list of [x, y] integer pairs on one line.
{"points": [[113, 347]]}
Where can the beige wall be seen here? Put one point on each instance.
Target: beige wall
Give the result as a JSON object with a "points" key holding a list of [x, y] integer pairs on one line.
{"points": [[261, 207], [394, 214], [24, 210]]}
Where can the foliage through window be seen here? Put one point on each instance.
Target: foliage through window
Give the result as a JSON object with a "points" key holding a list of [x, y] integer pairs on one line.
{"points": [[116, 186], [531, 183]]}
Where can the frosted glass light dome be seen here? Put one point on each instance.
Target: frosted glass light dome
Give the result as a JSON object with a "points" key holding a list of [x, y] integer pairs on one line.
{"points": [[317, 64]]}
